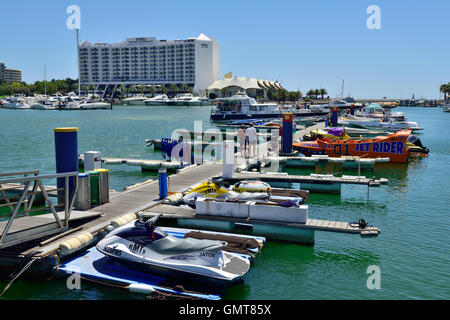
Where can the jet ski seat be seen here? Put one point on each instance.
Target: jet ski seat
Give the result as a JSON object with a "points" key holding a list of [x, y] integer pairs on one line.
{"points": [[170, 245]]}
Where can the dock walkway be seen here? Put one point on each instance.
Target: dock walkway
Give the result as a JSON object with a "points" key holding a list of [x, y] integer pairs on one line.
{"points": [[169, 211], [132, 201]]}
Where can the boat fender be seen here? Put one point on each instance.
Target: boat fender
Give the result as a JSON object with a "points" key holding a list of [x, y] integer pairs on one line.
{"points": [[73, 244], [173, 199], [123, 220]]}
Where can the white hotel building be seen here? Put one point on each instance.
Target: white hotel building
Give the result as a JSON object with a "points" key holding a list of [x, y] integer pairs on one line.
{"points": [[195, 62]]}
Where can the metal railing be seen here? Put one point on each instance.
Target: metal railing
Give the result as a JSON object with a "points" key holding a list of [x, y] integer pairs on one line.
{"points": [[27, 198]]}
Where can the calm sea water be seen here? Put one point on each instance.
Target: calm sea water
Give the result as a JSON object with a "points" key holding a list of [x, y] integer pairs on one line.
{"points": [[412, 211]]}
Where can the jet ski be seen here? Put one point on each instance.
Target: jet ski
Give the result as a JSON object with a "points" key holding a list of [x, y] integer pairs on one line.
{"points": [[144, 246], [241, 191]]}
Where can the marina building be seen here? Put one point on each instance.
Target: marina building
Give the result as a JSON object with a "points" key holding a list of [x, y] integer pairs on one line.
{"points": [[254, 87], [194, 62], [9, 75]]}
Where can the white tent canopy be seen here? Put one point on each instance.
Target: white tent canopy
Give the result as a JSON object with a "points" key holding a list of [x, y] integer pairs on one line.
{"points": [[244, 83]]}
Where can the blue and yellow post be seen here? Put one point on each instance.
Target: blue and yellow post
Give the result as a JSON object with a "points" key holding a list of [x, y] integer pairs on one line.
{"points": [[66, 151], [286, 140], [162, 181]]}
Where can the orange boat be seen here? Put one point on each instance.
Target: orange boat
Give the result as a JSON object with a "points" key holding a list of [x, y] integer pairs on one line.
{"points": [[393, 146]]}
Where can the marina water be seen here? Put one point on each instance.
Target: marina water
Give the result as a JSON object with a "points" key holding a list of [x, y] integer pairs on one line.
{"points": [[412, 211]]}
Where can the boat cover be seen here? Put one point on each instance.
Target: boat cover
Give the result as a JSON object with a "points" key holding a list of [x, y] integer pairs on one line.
{"points": [[336, 131]]}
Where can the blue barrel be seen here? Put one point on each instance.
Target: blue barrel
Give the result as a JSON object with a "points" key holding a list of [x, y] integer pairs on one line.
{"points": [[286, 139], [162, 179], [66, 151]]}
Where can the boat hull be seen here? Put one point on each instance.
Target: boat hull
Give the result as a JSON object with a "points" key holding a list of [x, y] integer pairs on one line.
{"points": [[231, 116], [393, 146]]}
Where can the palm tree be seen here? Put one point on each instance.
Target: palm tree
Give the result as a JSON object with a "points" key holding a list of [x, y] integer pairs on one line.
{"points": [[185, 87], [310, 93], [323, 92], [316, 93], [152, 90], [445, 89], [173, 87]]}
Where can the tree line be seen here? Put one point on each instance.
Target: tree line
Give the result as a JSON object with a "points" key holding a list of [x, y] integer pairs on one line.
{"points": [[315, 93], [39, 87], [71, 85]]}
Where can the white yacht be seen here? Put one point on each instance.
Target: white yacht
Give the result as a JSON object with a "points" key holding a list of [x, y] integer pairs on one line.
{"points": [[181, 99], [339, 104], [158, 100], [136, 100], [199, 101], [44, 103], [94, 105], [16, 103], [240, 107]]}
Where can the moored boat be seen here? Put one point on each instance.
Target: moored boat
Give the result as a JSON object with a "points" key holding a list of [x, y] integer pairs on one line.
{"points": [[240, 106], [393, 146], [158, 100]]}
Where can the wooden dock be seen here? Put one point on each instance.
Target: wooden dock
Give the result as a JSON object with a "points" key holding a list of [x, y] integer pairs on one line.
{"points": [[132, 201], [174, 212], [313, 178], [145, 198]]}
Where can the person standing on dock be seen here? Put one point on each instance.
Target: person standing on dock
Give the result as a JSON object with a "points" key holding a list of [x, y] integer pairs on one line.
{"points": [[252, 138], [242, 137]]}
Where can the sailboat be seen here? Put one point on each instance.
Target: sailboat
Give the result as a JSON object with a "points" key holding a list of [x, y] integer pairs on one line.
{"points": [[44, 102]]}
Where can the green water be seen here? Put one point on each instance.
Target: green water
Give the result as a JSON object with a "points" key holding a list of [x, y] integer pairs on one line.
{"points": [[412, 251]]}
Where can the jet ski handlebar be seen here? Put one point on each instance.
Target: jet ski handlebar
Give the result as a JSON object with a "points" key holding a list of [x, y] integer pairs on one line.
{"points": [[150, 223]]}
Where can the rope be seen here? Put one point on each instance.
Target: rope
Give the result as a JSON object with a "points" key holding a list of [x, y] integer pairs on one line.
{"points": [[24, 264]]}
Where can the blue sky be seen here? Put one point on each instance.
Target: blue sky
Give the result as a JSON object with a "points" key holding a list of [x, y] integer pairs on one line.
{"points": [[302, 44]]}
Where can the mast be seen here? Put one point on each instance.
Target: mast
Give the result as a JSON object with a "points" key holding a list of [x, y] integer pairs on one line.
{"points": [[78, 55], [45, 79], [342, 89]]}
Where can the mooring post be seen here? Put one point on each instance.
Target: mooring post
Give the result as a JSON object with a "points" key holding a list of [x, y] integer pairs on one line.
{"points": [[286, 142], [334, 116], [66, 151], [162, 180]]}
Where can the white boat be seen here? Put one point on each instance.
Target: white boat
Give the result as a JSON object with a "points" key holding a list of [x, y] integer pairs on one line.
{"points": [[16, 103], [43, 105], [158, 100], [375, 110], [136, 100], [341, 104], [181, 99], [91, 105], [198, 101], [240, 107], [384, 124]]}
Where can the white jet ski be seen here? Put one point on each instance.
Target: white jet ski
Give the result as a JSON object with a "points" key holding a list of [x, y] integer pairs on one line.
{"points": [[145, 247]]}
